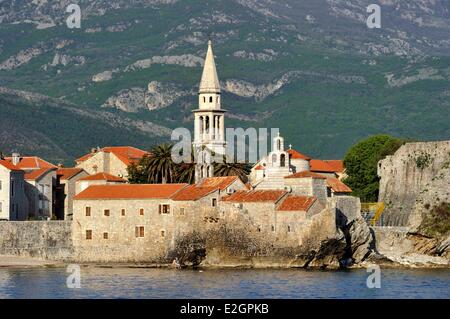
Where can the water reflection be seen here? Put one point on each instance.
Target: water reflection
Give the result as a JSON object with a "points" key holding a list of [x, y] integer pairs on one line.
{"points": [[164, 283]]}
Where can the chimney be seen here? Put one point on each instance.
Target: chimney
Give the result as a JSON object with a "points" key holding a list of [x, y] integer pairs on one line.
{"points": [[15, 158]]}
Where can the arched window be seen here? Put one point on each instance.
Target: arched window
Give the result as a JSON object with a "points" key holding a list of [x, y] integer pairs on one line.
{"points": [[200, 119], [283, 160], [217, 99], [278, 145], [210, 99], [204, 99], [207, 124]]}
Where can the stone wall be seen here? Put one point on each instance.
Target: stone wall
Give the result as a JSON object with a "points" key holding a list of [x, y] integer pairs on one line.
{"points": [[41, 239], [416, 175]]}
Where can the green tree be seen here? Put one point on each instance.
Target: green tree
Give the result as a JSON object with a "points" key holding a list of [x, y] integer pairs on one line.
{"points": [[361, 163], [232, 169], [158, 167]]}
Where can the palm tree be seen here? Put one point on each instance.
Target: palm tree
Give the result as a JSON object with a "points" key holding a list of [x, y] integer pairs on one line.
{"points": [[232, 169], [159, 167], [186, 173]]}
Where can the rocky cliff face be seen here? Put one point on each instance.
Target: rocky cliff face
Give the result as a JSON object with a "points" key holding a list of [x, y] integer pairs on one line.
{"points": [[415, 187], [415, 176]]}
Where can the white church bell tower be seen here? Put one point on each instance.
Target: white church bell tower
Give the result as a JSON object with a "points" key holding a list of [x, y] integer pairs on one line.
{"points": [[209, 125]]}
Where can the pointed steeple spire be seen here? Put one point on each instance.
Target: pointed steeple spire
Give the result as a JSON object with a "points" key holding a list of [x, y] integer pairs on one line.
{"points": [[210, 80]]}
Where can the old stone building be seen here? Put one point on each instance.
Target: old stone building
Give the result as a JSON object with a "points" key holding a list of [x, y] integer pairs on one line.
{"points": [[145, 222], [294, 171], [97, 179], [40, 193], [39, 186], [113, 160], [65, 191], [13, 203]]}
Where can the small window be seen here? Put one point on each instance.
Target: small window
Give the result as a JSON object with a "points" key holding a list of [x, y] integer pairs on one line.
{"points": [[204, 99], [141, 212], [105, 235], [88, 211], [182, 211], [259, 229], [106, 212], [214, 202], [289, 229], [273, 228], [122, 212], [210, 99], [164, 209], [88, 234], [139, 231], [163, 233]]}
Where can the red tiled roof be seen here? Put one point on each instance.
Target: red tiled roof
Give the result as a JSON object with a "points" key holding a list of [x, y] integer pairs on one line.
{"points": [[259, 168], [337, 165], [317, 165], [338, 186], [126, 154], [37, 173], [102, 177], [297, 203], [255, 196], [297, 155], [9, 165], [193, 192], [220, 182], [130, 191], [305, 174], [31, 162], [68, 173]]}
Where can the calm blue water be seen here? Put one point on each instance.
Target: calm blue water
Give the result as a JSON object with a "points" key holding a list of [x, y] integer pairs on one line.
{"points": [[165, 283]]}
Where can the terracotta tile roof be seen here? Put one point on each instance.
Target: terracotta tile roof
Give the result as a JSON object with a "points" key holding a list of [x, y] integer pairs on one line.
{"points": [[255, 196], [31, 162], [297, 203], [7, 164], [317, 165], [37, 173], [338, 186], [68, 173], [127, 154], [220, 182], [130, 191], [337, 165], [193, 192], [305, 174], [259, 168], [297, 155], [102, 177]]}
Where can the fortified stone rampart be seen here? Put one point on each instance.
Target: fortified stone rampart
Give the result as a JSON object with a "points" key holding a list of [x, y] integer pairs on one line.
{"points": [[41, 239]]}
